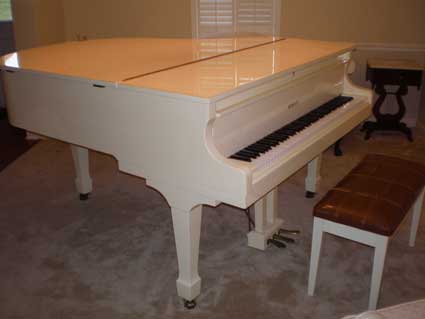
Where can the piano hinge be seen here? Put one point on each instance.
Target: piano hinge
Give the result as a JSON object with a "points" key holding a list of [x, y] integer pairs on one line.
{"points": [[99, 86]]}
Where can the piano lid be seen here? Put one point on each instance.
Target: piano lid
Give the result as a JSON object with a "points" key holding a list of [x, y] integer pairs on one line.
{"points": [[118, 59], [214, 77]]}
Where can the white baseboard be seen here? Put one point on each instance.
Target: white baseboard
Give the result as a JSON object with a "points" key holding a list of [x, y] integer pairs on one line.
{"points": [[394, 47]]}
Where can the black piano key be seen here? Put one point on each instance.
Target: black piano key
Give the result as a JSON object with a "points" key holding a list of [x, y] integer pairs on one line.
{"points": [[267, 145], [257, 148], [345, 99], [240, 158], [289, 131], [252, 153], [272, 138], [309, 120], [277, 137], [303, 122], [248, 154], [262, 143], [296, 126], [270, 141]]}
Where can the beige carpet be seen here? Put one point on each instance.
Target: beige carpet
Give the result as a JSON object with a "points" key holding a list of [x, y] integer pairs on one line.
{"points": [[114, 256]]}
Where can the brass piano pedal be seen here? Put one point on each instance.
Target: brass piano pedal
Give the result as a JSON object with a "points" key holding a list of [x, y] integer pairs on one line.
{"points": [[276, 243], [288, 231], [284, 239]]}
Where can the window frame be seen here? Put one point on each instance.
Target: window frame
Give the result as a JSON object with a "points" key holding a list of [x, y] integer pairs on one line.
{"points": [[10, 18]]}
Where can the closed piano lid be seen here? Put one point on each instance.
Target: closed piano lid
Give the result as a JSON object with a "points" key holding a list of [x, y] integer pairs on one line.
{"points": [[214, 77], [118, 59]]}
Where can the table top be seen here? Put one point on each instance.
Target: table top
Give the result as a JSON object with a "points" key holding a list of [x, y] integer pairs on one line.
{"points": [[395, 64]]}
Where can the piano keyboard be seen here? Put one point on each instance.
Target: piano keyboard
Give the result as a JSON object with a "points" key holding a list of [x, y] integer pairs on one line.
{"points": [[287, 134]]}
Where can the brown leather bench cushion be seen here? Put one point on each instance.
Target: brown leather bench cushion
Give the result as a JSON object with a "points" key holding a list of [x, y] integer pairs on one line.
{"points": [[375, 196]]}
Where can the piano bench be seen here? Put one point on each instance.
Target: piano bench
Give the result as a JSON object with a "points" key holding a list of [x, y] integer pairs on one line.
{"points": [[368, 206]]}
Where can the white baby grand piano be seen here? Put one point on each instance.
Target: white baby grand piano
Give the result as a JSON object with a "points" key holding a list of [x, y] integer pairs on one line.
{"points": [[189, 116]]}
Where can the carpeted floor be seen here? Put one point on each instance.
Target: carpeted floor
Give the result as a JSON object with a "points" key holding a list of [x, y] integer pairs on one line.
{"points": [[114, 255]]}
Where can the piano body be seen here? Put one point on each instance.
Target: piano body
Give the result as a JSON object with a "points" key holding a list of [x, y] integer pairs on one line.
{"points": [[176, 111]]}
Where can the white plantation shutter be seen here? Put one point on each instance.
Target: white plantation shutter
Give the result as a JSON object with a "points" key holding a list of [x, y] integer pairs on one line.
{"points": [[219, 18], [226, 18], [255, 16], [216, 17]]}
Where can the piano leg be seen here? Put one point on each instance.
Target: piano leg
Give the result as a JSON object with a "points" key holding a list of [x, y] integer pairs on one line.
{"points": [[187, 231], [313, 176], [83, 182], [266, 222]]}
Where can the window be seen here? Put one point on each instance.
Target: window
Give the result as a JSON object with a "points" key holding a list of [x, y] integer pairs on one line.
{"points": [[5, 10], [220, 18]]}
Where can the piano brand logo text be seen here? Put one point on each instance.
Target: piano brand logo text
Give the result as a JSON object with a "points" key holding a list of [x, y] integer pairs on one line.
{"points": [[292, 105]]}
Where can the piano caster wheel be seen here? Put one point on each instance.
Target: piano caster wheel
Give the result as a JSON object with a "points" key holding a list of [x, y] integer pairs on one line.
{"points": [[337, 151], [84, 197], [276, 243], [337, 148], [309, 194], [288, 231], [190, 304], [283, 238]]}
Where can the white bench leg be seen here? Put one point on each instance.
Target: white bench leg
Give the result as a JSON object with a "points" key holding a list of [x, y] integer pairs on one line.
{"points": [[315, 254], [416, 216], [378, 268]]}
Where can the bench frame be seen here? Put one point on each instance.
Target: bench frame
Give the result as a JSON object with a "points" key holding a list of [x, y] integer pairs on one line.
{"points": [[379, 242]]}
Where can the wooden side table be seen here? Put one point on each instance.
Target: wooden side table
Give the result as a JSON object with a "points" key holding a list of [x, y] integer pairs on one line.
{"points": [[381, 72]]}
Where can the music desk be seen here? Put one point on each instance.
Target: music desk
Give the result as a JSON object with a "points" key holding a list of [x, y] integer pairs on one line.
{"points": [[381, 72]]}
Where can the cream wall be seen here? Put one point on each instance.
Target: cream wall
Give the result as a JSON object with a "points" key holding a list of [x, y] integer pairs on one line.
{"points": [[109, 18], [376, 21], [38, 22]]}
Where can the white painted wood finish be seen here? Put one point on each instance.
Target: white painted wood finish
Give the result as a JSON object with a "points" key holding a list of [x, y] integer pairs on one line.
{"points": [[115, 60], [416, 216], [286, 59], [378, 242], [266, 219], [187, 232], [313, 174], [83, 181], [176, 128]]}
